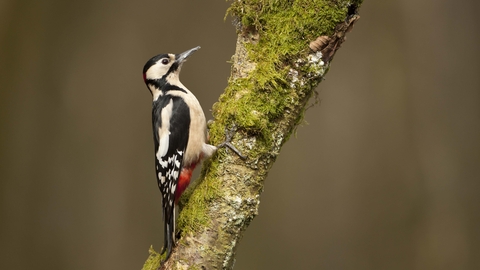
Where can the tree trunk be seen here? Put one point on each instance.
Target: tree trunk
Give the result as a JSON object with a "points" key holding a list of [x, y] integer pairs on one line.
{"points": [[284, 49]]}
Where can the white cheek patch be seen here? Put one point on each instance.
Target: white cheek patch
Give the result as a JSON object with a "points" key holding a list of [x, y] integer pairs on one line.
{"points": [[158, 70]]}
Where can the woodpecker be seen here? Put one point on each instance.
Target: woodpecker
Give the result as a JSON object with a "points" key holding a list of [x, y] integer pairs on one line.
{"points": [[179, 133]]}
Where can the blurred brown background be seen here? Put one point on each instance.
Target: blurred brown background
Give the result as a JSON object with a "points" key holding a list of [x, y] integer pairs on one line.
{"points": [[386, 175]]}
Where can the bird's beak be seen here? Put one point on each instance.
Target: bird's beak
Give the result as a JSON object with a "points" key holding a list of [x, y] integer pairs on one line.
{"points": [[180, 58]]}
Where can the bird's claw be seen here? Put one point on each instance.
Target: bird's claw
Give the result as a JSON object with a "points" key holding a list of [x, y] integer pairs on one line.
{"points": [[227, 143]]}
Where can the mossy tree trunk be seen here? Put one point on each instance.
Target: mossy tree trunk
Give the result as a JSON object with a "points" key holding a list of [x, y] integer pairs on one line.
{"points": [[284, 48]]}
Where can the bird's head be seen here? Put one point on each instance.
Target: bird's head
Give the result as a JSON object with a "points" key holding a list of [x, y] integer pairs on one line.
{"points": [[164, 68]]}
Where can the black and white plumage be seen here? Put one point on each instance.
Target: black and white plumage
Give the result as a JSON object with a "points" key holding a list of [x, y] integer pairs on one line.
{"points": [[180, 133]]}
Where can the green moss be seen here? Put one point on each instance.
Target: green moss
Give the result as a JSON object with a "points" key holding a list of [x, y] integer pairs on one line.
{"points": [[153, 261], [284, 30], [194, 215]]}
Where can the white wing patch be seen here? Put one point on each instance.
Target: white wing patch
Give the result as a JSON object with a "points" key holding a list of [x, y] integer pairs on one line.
{"points": [[164, 133]]}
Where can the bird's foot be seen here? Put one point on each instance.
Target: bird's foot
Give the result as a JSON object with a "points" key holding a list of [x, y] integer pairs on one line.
{"points": [[228, 142]]}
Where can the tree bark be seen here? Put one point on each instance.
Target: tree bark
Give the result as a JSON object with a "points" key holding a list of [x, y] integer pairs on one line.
{"points": [[284, 49]]}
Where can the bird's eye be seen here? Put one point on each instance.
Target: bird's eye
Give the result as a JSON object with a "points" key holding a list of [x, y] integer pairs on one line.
{"points": [[165, 61]]}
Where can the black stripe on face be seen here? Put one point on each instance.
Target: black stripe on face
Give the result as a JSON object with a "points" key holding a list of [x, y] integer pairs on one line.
{"points": [[169, 87], [172, 68], [163, 85], [158, 83]]}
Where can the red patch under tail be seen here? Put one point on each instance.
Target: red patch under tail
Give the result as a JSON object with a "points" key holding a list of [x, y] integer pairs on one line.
{"points": [[183, 181]]}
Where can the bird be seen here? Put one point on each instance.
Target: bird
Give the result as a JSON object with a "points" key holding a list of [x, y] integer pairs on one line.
{"points": [[179, 133]]}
